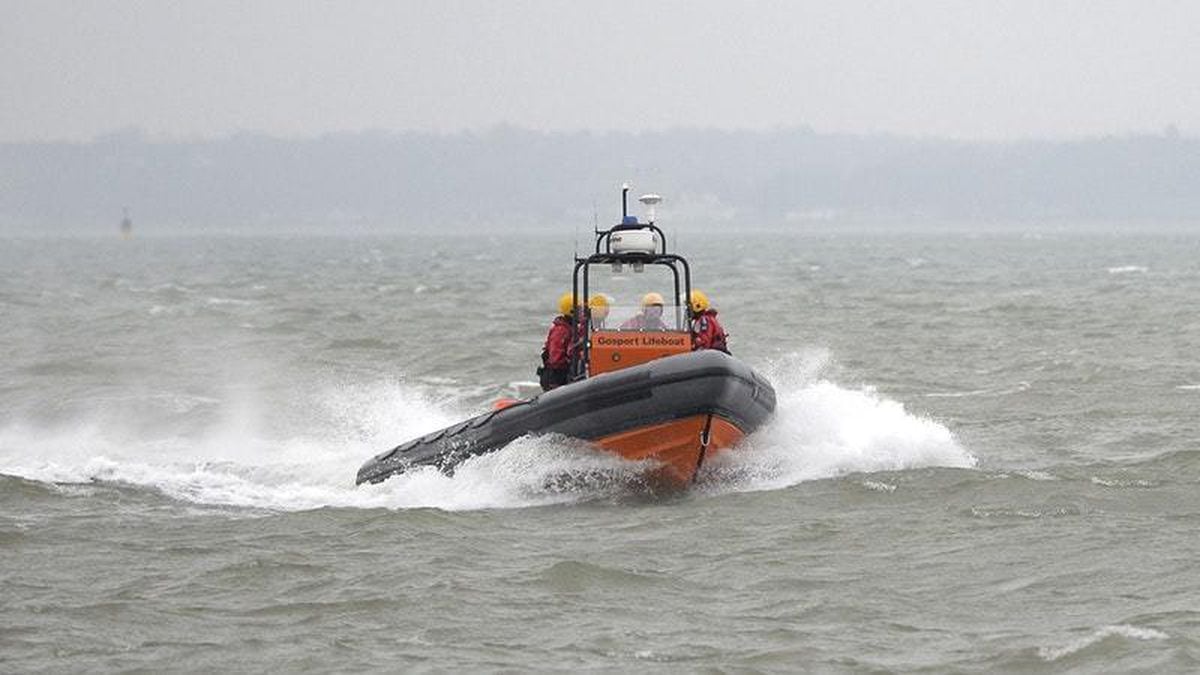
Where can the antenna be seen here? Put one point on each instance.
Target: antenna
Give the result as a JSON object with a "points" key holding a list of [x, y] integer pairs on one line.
{"points": [[624, 202]]}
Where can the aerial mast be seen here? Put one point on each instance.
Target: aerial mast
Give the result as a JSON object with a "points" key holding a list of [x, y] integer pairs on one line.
{"points": [[126, 224]]}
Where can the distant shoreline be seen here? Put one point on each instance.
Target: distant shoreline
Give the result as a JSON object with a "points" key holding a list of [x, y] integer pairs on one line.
{"points": [[516, 179]]}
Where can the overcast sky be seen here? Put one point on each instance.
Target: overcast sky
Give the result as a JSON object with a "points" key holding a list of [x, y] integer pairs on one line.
{"points": [[963, 69]]}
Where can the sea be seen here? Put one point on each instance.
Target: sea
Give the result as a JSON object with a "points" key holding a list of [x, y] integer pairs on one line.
{"points": [[985, 458]]}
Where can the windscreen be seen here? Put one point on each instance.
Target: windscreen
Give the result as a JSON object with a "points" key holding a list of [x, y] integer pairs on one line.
{"points": [[630, 299]]}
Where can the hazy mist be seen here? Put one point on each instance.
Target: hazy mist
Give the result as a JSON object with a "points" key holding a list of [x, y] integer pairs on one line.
{"points": [[966, 69], [375, 182], [385, 116]]}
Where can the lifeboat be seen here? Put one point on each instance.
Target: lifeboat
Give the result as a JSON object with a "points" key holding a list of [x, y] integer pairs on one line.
{"points": [[642, 394]]}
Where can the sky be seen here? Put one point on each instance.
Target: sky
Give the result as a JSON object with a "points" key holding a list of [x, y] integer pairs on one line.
{"points": [[964, 69]]}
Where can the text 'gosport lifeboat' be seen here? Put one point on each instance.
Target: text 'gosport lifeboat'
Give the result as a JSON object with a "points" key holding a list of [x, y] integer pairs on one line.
{"points": [[639, 390]]}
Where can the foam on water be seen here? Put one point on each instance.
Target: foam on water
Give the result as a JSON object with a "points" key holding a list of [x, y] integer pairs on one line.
{"points": [[1128, 269], [823, 430], [820, 430], [1121, 631], [233, 462]]}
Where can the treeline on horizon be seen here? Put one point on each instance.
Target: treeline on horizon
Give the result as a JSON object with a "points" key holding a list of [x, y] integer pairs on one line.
{"points": [[385, 182]]}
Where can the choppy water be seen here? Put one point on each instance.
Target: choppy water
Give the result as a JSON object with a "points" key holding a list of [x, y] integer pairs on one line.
{"points": [[986, 456]]}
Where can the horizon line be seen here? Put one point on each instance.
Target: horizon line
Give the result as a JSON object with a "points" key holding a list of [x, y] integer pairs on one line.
{"points": [[134, 132]]}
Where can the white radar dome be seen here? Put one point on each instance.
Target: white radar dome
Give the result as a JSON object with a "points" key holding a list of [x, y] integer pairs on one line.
{"points": [[634, 241]]}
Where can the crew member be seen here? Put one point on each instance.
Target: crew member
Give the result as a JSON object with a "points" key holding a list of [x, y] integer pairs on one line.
{"points": [[707, 332], [650, 318], [593, 316], [557, 352], [598, 310]]}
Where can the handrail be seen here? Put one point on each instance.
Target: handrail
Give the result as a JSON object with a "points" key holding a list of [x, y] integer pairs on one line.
{"points": [[581, 334]]}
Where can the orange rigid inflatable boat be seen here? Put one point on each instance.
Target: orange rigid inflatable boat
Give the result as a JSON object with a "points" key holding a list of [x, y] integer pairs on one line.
{"points": [[642, 394]]}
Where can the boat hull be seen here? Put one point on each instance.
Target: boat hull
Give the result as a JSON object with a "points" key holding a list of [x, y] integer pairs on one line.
{"points": [[680, 446], [677, 411]]}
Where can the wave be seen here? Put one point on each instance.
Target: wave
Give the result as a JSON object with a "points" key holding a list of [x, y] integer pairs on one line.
{"points": [[820, 430], [1124, 482], [238, 302], [823, 430], [1099, 636], [1128, 269], [364, 344]]}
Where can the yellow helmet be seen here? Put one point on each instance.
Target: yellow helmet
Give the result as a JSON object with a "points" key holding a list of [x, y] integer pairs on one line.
{"points": [[699, 302], [652, 299], [599, 306], [565, 302]]}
